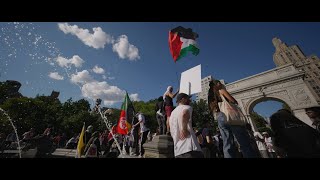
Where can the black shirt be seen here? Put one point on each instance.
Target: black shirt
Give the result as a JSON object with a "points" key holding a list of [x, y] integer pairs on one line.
{"points": [[168, 101]]}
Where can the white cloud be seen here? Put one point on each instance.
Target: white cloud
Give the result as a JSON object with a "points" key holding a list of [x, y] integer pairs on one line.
{"points": [[97, 39], [104, 77], [75, 60], [134, 97], [98, 69], [109, 94], [111, 78], [55, 75], [125, 49], [82, 77]]}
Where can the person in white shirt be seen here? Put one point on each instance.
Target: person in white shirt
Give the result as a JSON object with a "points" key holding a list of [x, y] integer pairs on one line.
{"points": [[144, 131], [261, 145], [185, 141], [269, 143]]}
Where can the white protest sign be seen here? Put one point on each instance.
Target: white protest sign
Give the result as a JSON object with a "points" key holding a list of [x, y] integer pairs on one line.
{"points": [[190, 82]]}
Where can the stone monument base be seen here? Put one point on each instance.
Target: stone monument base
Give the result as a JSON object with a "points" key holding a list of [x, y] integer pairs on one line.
{"points": [[161, 146]]}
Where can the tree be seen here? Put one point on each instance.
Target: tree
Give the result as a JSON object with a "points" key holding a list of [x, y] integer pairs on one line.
{"points": [[258, 120], [201, 114], [148, 109]]}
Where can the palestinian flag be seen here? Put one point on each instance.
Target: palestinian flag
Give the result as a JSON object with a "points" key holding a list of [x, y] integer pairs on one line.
{"points": [[182, 41], [126, 113]]}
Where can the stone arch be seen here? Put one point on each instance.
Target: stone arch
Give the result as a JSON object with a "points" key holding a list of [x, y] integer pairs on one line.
{"points": [[285, 84], [256, 101]]}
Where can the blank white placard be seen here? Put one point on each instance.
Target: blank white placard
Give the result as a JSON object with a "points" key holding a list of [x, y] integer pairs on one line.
{"points": [[190, 82]]}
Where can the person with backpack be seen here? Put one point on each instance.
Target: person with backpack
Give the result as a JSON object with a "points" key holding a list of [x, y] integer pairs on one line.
{"points": [[143, 129], [161, 115]]}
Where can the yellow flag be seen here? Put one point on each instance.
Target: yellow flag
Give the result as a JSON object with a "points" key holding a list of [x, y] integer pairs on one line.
{"points": [[81, 144]]}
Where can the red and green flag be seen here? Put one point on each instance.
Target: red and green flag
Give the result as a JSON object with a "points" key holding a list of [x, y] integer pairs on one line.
{"points": [[182, 41], [127, 111]]}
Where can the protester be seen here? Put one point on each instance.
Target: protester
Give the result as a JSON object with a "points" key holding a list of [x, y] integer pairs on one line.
{"points": [[161, 115], [167, 97], [184, 138], [229, 130], [143, 129]]}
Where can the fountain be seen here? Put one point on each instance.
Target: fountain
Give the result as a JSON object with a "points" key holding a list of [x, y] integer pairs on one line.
{"points": [[108, 124], [14, 128]]}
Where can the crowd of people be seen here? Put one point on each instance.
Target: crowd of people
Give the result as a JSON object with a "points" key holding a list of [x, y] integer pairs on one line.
{"points": [[233, 138], [288, 136]]}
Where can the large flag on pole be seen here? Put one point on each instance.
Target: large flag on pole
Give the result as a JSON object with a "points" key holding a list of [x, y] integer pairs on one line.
{"points": [[81, 145], [181, 41], [124, 126]]}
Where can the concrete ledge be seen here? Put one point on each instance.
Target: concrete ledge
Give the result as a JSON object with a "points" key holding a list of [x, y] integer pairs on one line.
{"points": [[66, 153], [161, 146]]}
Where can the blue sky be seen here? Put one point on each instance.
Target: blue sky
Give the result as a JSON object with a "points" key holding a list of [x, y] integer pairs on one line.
{"points": [[103, 59]]}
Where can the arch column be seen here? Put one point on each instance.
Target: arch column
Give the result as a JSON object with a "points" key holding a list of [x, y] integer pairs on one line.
{"points": [[253, 125]]}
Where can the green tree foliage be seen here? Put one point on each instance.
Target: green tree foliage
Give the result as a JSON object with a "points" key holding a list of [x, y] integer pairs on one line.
{"points": [[258, 120], [148, 109], [42, 111], [25, 113], [201, 114]]}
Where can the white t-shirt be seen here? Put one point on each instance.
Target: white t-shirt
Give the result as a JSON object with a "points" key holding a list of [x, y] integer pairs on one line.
{"points": [[260, 144], [269, 143], [188, 144], [143, 128]]}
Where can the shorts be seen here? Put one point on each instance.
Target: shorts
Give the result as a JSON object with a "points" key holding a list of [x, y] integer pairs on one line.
{"points": [[169, 110]]}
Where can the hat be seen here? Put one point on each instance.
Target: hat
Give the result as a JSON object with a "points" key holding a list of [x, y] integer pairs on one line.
{"points": [[182, 95]]}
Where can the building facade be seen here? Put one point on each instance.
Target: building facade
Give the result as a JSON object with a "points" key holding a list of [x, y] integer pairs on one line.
{"points": [[310, 65], [204, 89]]}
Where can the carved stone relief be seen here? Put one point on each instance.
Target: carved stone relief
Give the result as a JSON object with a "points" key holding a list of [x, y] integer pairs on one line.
{"points": [[284, 70], [301, 97]]}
